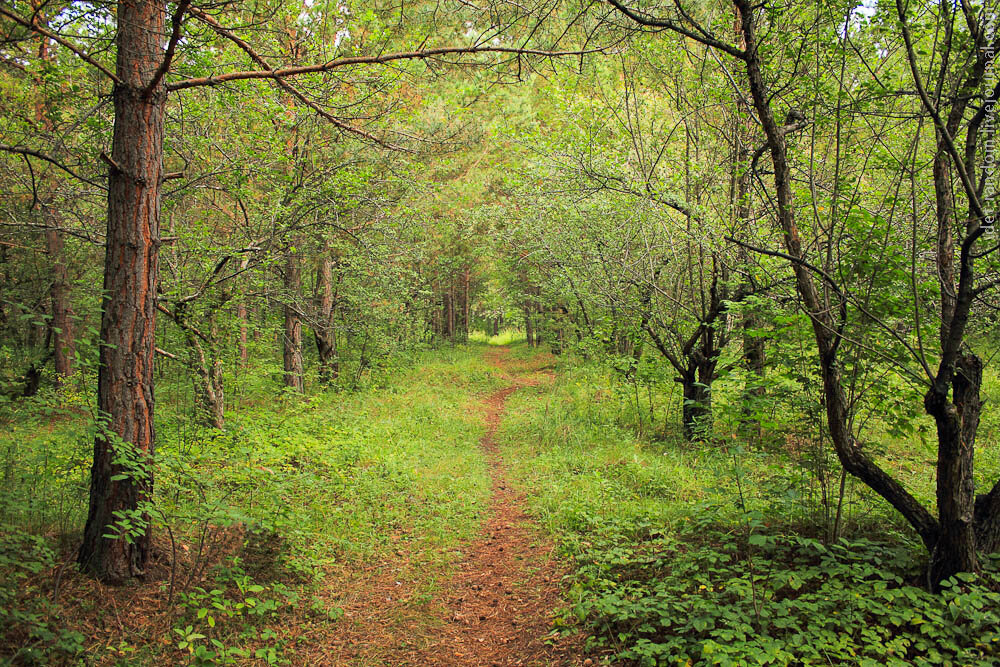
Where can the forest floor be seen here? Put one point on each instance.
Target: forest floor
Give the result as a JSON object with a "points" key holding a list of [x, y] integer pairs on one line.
{"points": [[497, 605]]}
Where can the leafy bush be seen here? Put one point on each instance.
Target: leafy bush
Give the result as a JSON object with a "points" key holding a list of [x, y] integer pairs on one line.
{"points": [[707, 596], [26, 614]]}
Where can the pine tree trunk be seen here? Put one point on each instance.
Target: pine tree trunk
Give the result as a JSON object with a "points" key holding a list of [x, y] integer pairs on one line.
{"points": [[63, 340], [125, 372]]}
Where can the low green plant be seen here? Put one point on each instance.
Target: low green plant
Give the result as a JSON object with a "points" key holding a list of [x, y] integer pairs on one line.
{"points": [[708, 595], [714, 553], [28, 619], [213, 620]]}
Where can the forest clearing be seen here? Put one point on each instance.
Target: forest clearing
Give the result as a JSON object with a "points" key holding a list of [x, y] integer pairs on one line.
{"points": [[501, 332]]}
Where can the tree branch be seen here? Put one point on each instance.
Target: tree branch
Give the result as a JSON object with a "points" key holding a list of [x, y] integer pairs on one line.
{"points": [[60, 40], [699, 35], [168, 56], [21, 150], [284, 85], [369, 60]]}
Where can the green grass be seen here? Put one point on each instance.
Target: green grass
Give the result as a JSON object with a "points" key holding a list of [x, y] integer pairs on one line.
{"points": [[719, 553], [505, 337], [331, 478]]}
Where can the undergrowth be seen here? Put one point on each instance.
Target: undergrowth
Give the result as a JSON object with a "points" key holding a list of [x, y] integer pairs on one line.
{"points": [[247, 520], [719, 553]]}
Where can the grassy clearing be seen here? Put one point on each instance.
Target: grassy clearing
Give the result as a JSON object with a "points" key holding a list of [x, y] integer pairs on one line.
{"points": [[256, 515], [505, 337], [724, 554]]}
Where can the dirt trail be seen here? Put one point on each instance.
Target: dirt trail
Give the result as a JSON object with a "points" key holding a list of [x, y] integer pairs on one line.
{"points": [[496, 609], [507, 586]]}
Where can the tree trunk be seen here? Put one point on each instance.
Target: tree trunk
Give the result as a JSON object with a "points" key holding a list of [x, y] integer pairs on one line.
{"points": [[825, 327], [292, 340], [325, 333], [753, 388], [697, 406], [529, 327], [466, 307], [957, 422], [241, 316], [120, 482], [208, 389], [63, 340], [451, 314]]}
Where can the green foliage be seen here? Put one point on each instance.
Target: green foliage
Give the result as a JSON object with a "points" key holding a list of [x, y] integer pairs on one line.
{"points": [[215, 621], [306, 483], [29, 621], [724, 555], [708, 595]]}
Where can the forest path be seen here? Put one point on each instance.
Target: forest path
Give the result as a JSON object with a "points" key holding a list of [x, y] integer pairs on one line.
{"points": [[496, 607]]}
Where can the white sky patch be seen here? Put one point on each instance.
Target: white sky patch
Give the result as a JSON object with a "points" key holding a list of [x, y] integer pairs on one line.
{"points": [[863, 11]]}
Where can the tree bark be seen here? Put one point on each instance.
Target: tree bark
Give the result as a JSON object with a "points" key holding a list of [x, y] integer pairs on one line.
{"points": [[292, 339], [957, 422], [63, 339], [120, 481], [325, 333]]}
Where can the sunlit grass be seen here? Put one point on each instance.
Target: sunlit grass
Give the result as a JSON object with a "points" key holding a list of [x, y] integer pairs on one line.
{"points": [[505, 337]]}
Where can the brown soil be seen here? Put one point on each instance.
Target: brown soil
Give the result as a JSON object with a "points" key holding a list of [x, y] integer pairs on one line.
{"points": [[495, 608]]}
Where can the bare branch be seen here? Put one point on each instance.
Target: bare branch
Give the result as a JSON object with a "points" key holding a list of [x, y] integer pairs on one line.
{"points": [[698, 34], [284, 85], [168, 56], [422, 54], [21, 150]]}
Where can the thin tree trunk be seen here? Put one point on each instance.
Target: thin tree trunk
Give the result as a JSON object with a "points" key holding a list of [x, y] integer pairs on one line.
{"points": [[849, 451], [241, 316], [529, 327], [208, 388], [125, 372], [451, 314], [63, 340], [292, 340], [466, 309], [325, 333]]}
